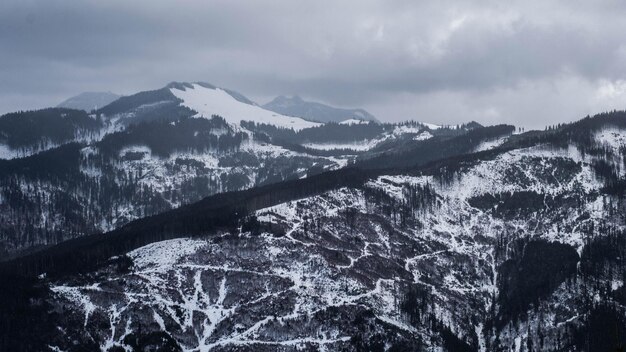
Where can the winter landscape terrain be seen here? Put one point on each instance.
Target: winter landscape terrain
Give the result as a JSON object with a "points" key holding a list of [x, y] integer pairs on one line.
{"points": [[190, 218], [333, 176]]}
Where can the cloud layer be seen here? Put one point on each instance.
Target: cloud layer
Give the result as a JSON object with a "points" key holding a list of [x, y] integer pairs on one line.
{"points": [[530, 63]]}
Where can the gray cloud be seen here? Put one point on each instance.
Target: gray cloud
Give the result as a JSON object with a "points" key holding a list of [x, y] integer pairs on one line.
{"points": [[524, 62]]}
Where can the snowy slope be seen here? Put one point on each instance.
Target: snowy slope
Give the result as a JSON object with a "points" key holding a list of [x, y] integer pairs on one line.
{"points": [[491, 143], [207, 102], [613, 138], [431, 125], [7, 153]]}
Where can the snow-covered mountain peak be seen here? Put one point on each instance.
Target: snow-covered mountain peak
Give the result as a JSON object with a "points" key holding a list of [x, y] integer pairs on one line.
{"points": [[207, 101]]}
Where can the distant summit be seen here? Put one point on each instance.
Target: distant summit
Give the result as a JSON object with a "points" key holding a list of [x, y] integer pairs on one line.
{"points": [[296, 106], [89, 101]]}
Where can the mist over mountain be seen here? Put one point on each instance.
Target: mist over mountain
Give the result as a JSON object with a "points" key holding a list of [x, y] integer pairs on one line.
{"points": [[312, 111], [89, 101]]}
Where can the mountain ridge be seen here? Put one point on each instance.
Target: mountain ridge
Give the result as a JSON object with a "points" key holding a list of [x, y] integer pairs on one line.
{"points": [[314, 111]]}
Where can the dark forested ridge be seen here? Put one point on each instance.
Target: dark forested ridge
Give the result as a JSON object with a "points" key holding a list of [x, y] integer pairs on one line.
{"points": [[39, 129], [579, 132], [184, 135], [326, 133], [219, 212]]}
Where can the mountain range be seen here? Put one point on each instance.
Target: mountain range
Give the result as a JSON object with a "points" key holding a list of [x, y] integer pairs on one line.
{"points": [[290, 106], [296, 106], [189, 218]]}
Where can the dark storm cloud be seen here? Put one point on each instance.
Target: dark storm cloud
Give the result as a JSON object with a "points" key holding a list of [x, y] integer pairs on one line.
{"points": [[530, 62]]}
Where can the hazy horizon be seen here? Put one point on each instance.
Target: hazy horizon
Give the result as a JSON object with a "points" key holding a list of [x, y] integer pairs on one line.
{"points": [[531, 63]]}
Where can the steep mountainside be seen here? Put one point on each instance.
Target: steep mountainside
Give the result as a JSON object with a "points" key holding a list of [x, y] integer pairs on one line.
{"points": [[516, 247], [142, 170], [296, 106]]}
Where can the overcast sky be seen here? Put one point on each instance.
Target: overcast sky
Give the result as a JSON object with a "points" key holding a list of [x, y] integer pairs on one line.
{"points": [[530, 63]]}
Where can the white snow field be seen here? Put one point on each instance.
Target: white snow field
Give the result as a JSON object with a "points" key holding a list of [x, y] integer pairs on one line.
{"points": [[208, 102]]}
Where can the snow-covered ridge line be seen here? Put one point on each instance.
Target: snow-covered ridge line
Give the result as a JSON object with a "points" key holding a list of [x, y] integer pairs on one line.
{"points": [[208, 102]]}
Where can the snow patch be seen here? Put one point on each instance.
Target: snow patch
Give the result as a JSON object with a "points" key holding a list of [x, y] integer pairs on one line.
{"points": [[353, 122], [491, 144], [165, 253], [404, 129], [356, 146], [612, 137], [7, 153], [431, 126], [423, 136]]}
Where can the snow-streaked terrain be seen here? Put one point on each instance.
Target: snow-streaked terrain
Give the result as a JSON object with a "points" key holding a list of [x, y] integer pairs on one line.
{"points": [[613, 138], [490, 144], [404, 129], [162, 175], [6, 152], [320, 260], [487, 244], [423, 136]]}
